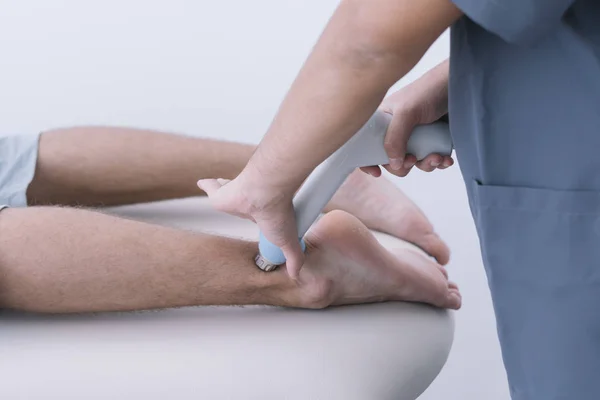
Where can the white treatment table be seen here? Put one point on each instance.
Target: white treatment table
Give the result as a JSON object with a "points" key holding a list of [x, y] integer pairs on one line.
{"points": [[368, 352]]}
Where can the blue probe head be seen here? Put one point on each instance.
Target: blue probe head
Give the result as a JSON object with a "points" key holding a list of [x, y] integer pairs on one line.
{"points": [[272, 253]]}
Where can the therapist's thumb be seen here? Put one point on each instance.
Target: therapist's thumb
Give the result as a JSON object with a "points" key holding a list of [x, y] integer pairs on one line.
{"points": [[294, 259], [292, 251], [395, 142], [279, 227]]}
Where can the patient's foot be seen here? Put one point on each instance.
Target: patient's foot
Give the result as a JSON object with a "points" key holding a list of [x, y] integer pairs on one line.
{"points": [[347, 265], [380, 205]]}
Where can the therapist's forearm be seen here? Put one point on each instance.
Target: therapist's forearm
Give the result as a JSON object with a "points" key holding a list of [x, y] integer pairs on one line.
{"points": [[366, 48], [62, 260]]}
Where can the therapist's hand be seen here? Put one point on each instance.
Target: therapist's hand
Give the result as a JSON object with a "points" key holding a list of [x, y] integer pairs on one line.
{"points": [[250, 197], [422, 102]]}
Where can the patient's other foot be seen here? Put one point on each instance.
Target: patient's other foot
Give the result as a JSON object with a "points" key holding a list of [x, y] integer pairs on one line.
{"points": [[347, 265], [382, 206]]}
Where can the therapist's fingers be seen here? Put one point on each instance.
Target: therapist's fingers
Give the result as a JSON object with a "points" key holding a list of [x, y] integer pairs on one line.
{"points": [[278, 225], [435, 161], [447, 162], [292, 251], [439, 162], [224, 202], [409, 163], [211, 186], [430, 163], [294, 259], [396, 139], [373, 170]]}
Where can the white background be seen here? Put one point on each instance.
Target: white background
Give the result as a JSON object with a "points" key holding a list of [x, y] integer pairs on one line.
{"points": [[218, 69]]}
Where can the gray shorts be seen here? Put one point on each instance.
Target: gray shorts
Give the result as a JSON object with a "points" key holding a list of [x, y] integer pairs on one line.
{"points": [[18, 158]]}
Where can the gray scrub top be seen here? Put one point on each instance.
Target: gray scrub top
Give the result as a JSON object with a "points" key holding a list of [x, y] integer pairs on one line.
{"points": [[525, 76], [525, 118]]}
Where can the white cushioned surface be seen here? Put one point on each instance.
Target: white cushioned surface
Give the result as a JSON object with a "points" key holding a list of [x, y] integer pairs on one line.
{"points": [[367, 352]]}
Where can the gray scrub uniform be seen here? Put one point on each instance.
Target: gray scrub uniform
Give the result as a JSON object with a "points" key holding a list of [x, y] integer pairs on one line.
{"points": [[525, 119]]}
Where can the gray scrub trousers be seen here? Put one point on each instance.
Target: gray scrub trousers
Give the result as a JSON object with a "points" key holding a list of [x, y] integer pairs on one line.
{"points": [[525, 120]]}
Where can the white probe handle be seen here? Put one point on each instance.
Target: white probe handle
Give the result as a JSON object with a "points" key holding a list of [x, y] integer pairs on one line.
{"points": [[365, 148]]}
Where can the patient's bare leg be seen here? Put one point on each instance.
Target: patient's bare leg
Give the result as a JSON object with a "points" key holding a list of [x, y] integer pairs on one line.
{"points": [[105, 166], [95, 166], [61, 260]]}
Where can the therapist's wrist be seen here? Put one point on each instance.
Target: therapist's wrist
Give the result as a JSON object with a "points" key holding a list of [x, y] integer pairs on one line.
{"points": [[264, 186], [273, 167]]}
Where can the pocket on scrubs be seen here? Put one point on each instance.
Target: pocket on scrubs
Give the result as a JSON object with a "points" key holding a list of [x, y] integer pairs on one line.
{"points": [[541, 250]]}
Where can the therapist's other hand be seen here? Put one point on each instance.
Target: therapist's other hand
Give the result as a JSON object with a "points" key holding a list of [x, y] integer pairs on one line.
{"points": [[422, 102], [271, 209]]}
